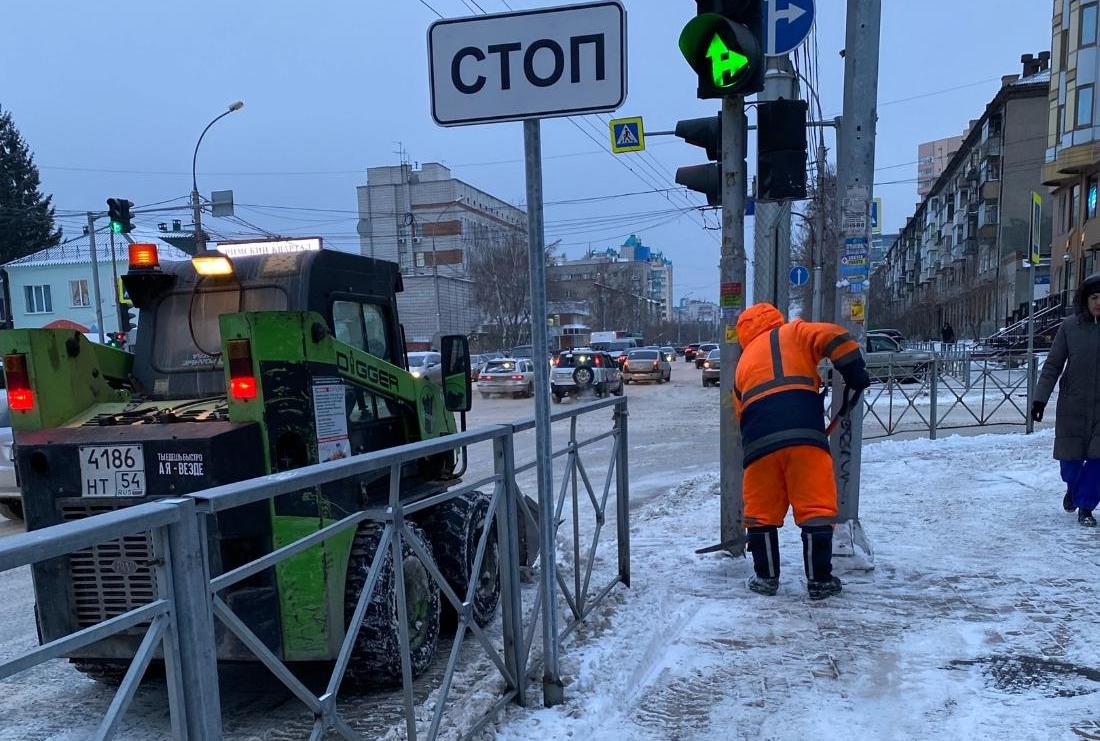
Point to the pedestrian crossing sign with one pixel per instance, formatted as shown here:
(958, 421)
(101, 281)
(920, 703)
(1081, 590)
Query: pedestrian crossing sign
(627, 135)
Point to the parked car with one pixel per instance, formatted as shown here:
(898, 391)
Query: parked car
(583, 369)
(508, 376)
(669, 353)
(691, 351)
(704, 350)
(523, 351)
(426, 365)
(896, 334)
(886, 358)
(646, 365)
(712, 366)
(11, 501)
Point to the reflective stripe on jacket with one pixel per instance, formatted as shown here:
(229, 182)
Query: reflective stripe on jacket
(776, 386)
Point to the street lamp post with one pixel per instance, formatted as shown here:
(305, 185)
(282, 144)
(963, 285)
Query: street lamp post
(435, 265)
(196, 204)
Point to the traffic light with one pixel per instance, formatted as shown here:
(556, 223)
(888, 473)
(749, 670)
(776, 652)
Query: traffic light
(118, 210)
(127, 318)
(705, 179)
(724, 44)
(781, 150)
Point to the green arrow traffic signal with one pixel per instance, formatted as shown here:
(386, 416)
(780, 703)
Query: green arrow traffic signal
(725, 55)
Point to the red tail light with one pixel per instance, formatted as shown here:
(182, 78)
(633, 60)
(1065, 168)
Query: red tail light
(20, 395)
(242, 381)
(656, 365)
(484, 378)
(597, 362)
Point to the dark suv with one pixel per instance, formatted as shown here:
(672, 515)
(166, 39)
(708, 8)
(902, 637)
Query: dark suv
(580, 370)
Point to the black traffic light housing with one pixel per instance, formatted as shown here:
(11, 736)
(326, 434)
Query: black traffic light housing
(127, 318)
(724, 43)
(118, 211)
(781, 150)
(705, 179)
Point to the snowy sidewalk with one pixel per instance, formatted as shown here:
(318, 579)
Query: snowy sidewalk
(980, 621)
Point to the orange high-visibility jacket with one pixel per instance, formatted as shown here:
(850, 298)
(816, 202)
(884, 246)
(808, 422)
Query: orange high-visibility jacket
(776, 387)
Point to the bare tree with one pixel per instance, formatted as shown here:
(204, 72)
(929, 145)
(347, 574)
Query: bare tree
(500, 272)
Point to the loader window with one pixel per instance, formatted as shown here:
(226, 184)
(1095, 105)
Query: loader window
(362, 326)
(181, 345)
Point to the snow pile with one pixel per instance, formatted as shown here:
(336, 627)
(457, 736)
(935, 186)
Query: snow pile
(977, 621)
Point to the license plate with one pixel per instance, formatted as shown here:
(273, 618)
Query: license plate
(112, 471)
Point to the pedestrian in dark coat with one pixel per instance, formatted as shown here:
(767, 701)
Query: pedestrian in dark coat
(1075, 357)
(947, 333)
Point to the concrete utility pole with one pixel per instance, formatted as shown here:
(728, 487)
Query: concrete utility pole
(732, 299)
(95, 275)
(772, 224)
(855, 176)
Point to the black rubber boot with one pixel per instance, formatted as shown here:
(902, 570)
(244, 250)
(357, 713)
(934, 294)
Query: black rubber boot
(764, 546)
(1067, 502)
(817, 554)
(1085, 518)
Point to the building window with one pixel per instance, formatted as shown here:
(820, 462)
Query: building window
(38, 299)
(1074, 206)
(1087, 35)
(1084, 106)
(78, 293)
(1090, 204)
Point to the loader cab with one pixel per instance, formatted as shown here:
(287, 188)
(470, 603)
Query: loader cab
(178, 351)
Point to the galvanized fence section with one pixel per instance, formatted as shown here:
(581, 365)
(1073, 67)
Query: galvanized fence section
(956, 389)
(181, 617)
(584, 505)
(178, 620)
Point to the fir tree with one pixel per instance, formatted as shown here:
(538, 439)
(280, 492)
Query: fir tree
(26, 216)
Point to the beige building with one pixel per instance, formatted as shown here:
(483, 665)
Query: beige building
(1072, 162)
(958, 258)
(932, 159)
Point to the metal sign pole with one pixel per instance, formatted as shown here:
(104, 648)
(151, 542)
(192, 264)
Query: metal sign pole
(552, 688)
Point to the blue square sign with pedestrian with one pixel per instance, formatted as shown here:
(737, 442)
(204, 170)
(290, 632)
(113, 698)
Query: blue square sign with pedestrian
(627, 135)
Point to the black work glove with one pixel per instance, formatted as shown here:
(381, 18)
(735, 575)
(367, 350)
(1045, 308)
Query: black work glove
(1037, 408)
(856, 378)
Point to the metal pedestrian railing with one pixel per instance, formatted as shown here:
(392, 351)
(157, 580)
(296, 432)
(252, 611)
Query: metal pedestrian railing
(177, 618)
(189, 600)
(955, 389)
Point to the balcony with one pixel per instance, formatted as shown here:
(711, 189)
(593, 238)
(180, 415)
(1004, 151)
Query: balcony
(988, 219)
(991, 147)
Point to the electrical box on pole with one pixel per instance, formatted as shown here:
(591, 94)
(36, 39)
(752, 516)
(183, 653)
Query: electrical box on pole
(724, 44)
(705, 179)
(782, 152)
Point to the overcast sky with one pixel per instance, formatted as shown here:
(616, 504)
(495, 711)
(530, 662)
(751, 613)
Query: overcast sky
(111, 99)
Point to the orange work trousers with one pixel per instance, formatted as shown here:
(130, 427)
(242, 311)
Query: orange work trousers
(801, 477)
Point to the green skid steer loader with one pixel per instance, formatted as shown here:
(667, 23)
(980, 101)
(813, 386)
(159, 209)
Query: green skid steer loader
(243, 368)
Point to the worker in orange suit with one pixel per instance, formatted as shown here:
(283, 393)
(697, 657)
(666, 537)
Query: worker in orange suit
(787, 461)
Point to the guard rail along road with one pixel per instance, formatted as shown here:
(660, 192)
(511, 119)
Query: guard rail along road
(180, 621)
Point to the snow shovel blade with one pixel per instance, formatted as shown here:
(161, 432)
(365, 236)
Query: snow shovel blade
(723, 546)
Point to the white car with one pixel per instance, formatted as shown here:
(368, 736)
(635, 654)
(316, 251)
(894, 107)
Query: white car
(508, 377)
(426, 364)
